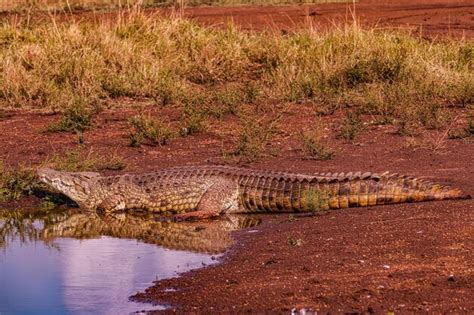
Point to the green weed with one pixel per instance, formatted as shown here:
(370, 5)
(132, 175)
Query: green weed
(152, 129)
(74, 119)
(255, 135)
(313, 198)
(193, 117)
(15, 183)
(352, 125)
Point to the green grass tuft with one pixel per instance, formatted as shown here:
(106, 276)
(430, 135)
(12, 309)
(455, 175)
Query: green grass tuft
(16, 183)
(152, 129)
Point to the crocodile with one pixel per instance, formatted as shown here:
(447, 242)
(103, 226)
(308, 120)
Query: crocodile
(207, 191)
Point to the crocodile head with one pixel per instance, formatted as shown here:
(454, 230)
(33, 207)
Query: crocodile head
(75, 185)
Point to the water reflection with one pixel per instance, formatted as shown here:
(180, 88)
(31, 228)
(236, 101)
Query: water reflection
(202, 236)
(70, 262)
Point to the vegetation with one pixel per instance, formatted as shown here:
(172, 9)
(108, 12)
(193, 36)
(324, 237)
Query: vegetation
(76, 68)
(293, 241)
(84, 64)
(352, 125)
(466, 132)
(74, 119)
(16, 183)
(152, 129)
(314, 145)
(255, 135)
(314, 199)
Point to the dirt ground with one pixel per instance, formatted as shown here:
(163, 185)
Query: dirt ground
(423, 17)
(407, 258)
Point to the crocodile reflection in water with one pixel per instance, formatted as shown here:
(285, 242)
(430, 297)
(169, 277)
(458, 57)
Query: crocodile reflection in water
(205, 236)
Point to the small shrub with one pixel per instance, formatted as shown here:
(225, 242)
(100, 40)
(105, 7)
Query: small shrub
(351, 126)
(407, 121)
(466, 132)
(251, 92)
(74, 119)
(255, 135)
(17, 183)
(313, 144)
(407, 127)
(193, 118)
(469, 129)
(434, 116)
(147, 128)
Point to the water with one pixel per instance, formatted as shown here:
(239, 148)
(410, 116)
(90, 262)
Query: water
(73, 263)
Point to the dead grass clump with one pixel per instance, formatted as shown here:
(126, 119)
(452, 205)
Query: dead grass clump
(81, 5)
(466, 132)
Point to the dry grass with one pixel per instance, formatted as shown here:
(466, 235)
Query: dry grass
(84, 65)
(256, 135)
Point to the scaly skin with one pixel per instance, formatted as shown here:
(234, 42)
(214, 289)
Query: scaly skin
(203, 191)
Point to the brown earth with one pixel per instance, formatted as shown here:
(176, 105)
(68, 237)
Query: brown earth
(424, 17)
(407, 258)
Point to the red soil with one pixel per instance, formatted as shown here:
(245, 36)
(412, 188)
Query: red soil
(425, 17)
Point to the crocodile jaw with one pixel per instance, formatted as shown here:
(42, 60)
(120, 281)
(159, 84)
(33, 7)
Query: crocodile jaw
(77, 186)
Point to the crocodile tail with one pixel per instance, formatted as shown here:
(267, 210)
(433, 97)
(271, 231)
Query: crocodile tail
(368, 189)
